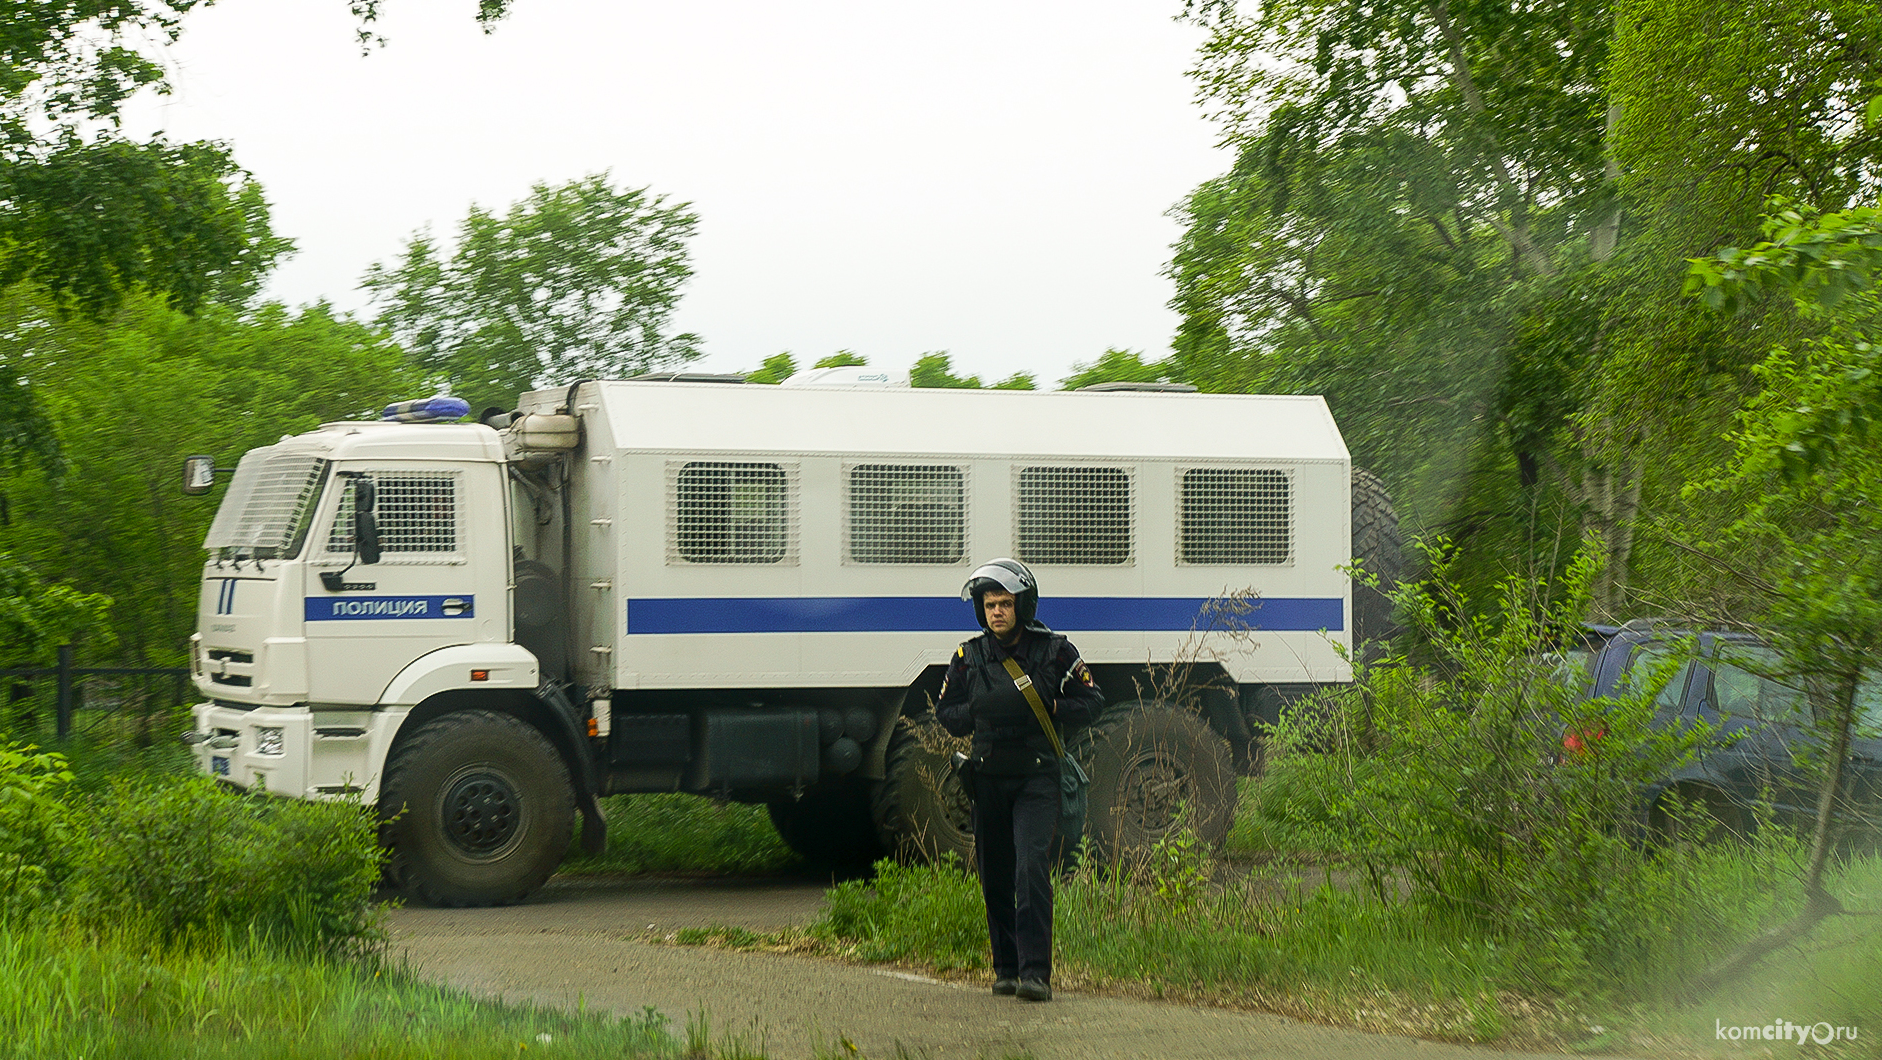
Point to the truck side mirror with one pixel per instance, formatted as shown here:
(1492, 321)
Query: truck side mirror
(199, 473)
(365, 525)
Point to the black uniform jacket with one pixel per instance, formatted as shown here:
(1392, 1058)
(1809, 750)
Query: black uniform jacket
(979, 696)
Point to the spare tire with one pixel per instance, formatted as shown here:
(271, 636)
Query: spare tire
(1376, 550)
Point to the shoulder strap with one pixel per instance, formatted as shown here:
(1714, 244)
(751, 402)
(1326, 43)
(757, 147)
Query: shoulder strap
(1024, 684)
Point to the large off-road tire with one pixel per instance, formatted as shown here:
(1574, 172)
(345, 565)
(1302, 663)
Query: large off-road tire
(1154, 768)
(830, 827)
(1377, 548)
(476, 809)
(921, 810)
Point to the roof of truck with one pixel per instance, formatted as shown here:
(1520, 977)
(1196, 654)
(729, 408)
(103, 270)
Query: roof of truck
(717, 417)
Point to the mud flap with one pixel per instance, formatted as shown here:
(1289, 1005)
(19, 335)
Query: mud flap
(582, 771)
(594, 826)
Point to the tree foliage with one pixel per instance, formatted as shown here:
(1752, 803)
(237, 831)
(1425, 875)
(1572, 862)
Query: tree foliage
(37, 616)
(776, 369)
(936, 370)
(130, 397)
(1805, 478)
(88, 215)
(1122, 366)
(578, 280)
(1465, 224)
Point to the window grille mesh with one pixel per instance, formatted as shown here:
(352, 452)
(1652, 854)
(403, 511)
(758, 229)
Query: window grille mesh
(1235, 515)
(266, 511)
(732, 513)
(1078, 515)
(416, 512)
(911, 513)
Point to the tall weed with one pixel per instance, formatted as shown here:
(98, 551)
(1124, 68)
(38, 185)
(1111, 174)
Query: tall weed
(930, 913)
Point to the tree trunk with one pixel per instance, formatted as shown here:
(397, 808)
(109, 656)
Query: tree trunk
(1607, 232)
(1611, 497)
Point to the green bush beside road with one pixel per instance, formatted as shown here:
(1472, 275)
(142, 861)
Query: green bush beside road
(155, 915)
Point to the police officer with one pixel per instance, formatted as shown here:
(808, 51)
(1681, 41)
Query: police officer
(1014, 772)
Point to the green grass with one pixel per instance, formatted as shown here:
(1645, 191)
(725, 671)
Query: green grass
(69, 995)
(1346, 956)
(684, 833)
(1833, 977)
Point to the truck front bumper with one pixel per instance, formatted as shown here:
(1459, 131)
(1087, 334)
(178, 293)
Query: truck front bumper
(295, 752)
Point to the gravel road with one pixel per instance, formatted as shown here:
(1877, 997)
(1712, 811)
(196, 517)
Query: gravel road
(579, 942)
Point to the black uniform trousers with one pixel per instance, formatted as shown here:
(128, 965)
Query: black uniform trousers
(1015, 820)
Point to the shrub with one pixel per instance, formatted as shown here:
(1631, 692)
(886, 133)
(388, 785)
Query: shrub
(1445, 784)
(182, 858)
(33, 826)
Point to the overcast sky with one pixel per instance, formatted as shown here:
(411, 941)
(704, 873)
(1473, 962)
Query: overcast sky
(989, 179)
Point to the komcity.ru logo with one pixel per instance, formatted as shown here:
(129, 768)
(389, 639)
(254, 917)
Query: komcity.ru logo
(1785, 1031)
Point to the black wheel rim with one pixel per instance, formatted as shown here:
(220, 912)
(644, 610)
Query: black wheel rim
(482, 814)
(1156, 790)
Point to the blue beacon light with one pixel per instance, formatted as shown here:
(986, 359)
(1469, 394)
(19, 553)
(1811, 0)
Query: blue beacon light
(440, 409)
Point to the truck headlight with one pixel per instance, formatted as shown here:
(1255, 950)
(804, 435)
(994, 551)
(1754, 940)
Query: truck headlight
(269, 741)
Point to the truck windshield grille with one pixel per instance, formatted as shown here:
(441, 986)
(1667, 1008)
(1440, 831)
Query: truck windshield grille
(269, 505)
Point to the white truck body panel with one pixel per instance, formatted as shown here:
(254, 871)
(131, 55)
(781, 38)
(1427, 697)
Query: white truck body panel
(652, 619)
(338, 672)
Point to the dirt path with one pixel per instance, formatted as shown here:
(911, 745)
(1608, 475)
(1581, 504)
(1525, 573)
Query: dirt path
(576, 943)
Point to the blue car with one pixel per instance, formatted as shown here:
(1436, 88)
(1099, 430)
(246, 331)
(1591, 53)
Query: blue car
(1762, 724)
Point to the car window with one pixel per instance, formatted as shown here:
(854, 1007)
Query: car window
(1869, 706)
(1745, 684)
(1651, 659)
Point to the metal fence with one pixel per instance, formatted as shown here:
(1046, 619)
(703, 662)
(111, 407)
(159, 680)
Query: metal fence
(144, 692)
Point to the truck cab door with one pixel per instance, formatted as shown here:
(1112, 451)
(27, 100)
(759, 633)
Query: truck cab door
(432, 586)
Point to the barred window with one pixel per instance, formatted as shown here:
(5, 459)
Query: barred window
(416, 512)
(912, 513)
(731, 513)
(1079, 515)
(1235, 515)
(269, 505)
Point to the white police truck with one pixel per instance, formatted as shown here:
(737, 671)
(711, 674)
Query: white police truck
(673, 584)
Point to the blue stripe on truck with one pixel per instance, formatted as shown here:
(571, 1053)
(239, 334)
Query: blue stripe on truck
(947, 614)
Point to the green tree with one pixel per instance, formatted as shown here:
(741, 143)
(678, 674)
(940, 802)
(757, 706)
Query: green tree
(134, 394)
(1805, 475)
(1464, 222)
(936, 370)
(1416, 184)
(578, 280)
(842, 359)
(37, 616)
(88, 216)
(776, 369)
(1121, 366)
